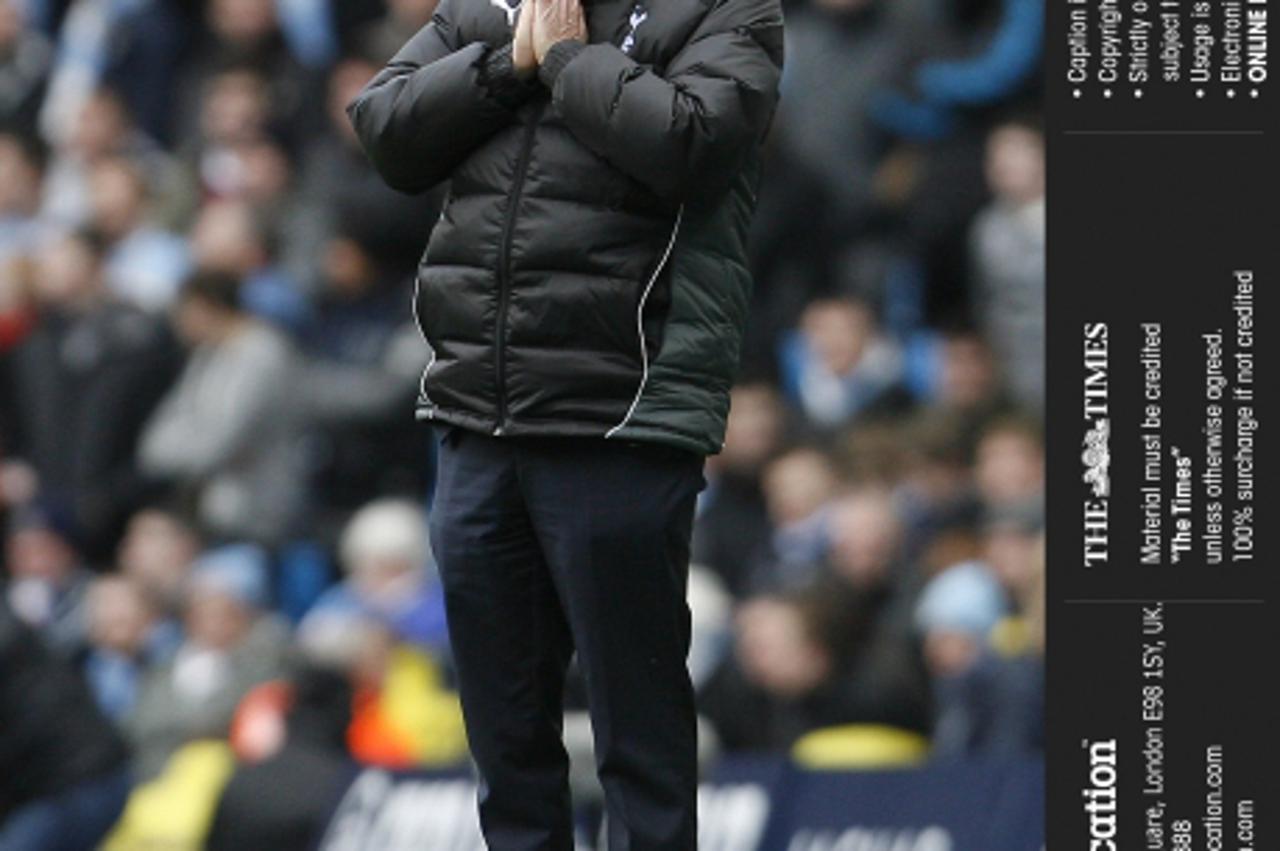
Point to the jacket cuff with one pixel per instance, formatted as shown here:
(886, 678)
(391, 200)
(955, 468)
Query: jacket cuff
(560, 55)
(498, 75)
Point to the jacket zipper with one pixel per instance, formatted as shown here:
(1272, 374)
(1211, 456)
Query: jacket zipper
(504, 267)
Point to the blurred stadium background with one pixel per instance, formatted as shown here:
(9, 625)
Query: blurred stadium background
(220, 623)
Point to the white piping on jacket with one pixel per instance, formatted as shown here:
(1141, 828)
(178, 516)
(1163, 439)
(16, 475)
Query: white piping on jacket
(644, 347)
(413, 307)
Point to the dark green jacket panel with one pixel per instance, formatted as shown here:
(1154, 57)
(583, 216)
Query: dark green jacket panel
(685, 399)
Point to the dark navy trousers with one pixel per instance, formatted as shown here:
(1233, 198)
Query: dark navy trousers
(548, 546)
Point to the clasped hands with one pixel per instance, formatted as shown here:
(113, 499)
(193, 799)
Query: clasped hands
(540, 25)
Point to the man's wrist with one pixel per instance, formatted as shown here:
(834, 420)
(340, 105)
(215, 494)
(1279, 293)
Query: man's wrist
(506, 85)
(556, 58)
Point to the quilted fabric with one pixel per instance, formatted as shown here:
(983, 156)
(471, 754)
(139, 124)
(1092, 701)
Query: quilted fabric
(588, 273)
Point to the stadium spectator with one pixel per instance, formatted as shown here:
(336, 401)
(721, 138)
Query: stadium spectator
(227, 431)
(935, 494)
(126, 636)
(233, 108)
(17, 316)
(805, 660)
(968, 381)
(234, 238)
(22, 170)
(63, 768)
(799, 486)
(47, 579)
(365, 361)
(1010, 545)
(733, 524)
(404, 715)
(81, 61)
(1009, 35)
(25, 59)
(232, 643)
(156, 552)
(284, 801)
(81, 384)
(838, 365)
(827, 128)
(1009, 463)
(340, 192)
(956, 614)
(380, 39)
(103, 129)
(144, 264)
(387, 561)
(1008, 256)
(246, 35)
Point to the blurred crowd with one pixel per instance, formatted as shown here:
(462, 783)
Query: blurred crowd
(213, 493)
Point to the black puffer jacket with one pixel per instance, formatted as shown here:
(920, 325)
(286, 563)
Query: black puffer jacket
(588, 273)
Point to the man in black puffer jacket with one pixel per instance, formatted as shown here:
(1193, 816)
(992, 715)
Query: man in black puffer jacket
(584, 294)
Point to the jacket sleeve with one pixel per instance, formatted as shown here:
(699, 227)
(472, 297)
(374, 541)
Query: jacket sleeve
(685, 131)
(434, 103)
